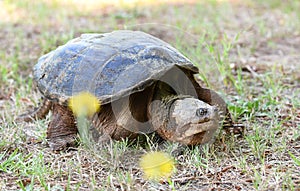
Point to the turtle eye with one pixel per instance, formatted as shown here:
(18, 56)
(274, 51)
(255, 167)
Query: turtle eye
(201, 112)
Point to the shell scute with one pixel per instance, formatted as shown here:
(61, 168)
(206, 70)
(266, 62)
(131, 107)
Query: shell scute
(108, 65)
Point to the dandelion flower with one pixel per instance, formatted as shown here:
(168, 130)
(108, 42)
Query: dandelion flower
(157, 165)
(84, 104)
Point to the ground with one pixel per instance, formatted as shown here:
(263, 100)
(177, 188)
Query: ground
(248, 51)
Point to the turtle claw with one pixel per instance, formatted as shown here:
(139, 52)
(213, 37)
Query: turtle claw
(63, 142)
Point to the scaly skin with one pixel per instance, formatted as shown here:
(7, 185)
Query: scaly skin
(62, 130)
(126, 121)
(176, 118)
(184, 119)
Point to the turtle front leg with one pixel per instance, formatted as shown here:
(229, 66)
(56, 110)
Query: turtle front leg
(62, 130)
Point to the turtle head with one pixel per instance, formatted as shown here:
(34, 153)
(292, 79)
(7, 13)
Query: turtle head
(190, 121)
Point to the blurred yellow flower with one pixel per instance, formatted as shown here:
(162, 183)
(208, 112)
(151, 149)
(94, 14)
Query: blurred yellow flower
(84, 104)
(157, 165)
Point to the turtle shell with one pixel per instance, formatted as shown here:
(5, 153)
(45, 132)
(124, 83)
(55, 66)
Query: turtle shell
(109, 65)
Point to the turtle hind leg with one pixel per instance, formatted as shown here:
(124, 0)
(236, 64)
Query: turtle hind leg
(62, 130)
(39, 112)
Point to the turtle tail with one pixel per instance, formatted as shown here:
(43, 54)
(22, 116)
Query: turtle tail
(39, 112)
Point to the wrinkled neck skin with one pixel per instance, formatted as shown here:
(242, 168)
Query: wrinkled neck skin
(180, 118)
(161, 111)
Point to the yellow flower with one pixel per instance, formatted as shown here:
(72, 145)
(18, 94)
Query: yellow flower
(157, 165)
(84, 104)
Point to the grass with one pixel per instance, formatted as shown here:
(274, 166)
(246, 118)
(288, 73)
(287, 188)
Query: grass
(252, 46)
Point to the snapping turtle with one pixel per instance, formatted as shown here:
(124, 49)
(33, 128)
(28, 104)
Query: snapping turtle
(143, 83)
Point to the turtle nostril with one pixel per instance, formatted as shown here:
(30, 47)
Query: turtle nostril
(216, 109)
(206, 119)
(201, 112)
